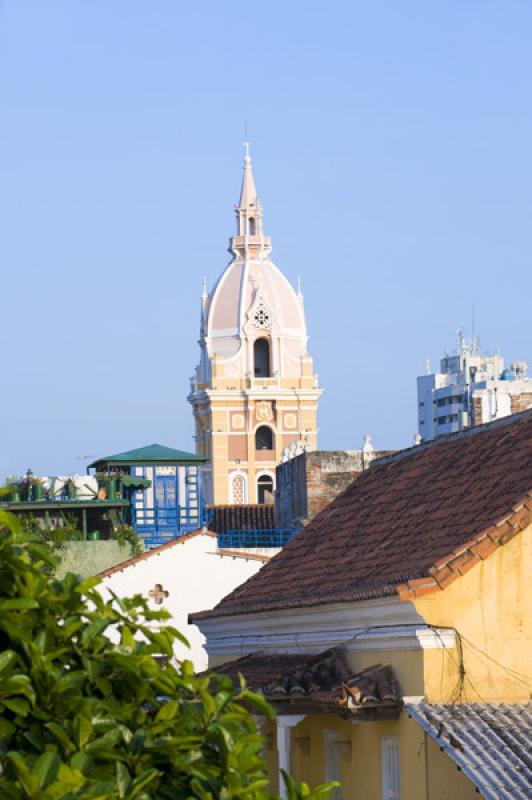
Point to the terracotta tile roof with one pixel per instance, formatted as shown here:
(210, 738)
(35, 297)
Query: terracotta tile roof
(411, 524)
(322, 679)
(242, 517)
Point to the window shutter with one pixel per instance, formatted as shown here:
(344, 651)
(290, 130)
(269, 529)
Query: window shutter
(390, 775)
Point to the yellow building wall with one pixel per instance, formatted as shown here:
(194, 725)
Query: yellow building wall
(490, 607)
(426, 772)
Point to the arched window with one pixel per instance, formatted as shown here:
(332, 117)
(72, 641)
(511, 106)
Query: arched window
(261, 358)
(265, 489)
(264, 438)
(251, 226)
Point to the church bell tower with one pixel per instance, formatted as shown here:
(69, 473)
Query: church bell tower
(254, 391)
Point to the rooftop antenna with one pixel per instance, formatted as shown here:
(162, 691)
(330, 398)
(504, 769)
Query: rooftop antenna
(247, 144)
(461, 339)
(428, 368)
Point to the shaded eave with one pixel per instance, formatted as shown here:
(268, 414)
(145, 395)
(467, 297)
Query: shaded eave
(23, 506)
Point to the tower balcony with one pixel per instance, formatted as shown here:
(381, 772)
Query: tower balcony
(251, 243)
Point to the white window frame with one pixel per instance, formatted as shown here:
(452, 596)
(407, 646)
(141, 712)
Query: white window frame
(390, 768)
(331, 759)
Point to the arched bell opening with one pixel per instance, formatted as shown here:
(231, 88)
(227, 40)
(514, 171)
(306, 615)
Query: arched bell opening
(264, 438)
(261, 358)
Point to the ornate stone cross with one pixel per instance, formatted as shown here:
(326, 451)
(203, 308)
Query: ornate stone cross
(158, 594)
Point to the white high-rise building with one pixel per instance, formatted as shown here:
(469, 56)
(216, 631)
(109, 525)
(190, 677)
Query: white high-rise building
(470, 388)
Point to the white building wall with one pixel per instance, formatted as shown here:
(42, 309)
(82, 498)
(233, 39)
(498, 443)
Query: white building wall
(196, 575)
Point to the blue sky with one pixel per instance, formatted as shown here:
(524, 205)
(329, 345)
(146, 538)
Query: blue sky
(392, 151)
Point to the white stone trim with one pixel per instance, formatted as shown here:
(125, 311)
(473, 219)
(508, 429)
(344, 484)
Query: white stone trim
(370, 625)
(268, 473)
(222, 333)
(285, 723)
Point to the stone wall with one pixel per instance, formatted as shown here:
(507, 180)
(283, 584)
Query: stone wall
(520, 402)
(309, 482)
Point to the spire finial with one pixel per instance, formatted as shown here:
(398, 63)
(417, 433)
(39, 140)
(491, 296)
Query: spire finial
(247, 157)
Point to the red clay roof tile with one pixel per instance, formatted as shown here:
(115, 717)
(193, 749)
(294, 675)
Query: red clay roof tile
(322, 679)
(242, 517)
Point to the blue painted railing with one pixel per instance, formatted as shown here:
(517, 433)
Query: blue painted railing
(169, 519)
(241, 539)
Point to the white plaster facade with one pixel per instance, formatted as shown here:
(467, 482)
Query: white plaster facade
(195, 573)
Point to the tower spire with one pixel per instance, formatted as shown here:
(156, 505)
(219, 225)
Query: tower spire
(250, 238)
(248, 195)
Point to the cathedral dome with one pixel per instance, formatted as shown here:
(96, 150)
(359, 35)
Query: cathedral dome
(252, 298)
(254, 291)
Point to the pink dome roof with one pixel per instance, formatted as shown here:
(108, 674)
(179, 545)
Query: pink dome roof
(236, 293)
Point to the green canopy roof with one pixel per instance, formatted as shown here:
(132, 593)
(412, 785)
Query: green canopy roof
(151, 454)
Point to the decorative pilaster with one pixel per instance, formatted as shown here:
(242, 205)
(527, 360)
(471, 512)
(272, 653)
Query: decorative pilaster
(284, 744)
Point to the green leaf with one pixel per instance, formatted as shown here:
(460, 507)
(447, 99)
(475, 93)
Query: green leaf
(17, 705)
(27, 780)
(258, 702)
(80, 762)
(141, 782)
(82, 729)
(6, 728)
(87, 585)
(46, 768)
(18, 604)
(9, 522)
(123, 779)
(61, 736)
(167, 711)
(93, 630)
(7, 658)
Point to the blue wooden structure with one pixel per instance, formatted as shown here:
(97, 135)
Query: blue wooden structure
(172, 504)
(236, 538)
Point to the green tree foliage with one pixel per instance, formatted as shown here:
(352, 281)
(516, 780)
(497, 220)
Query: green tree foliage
(84, 718)
(57, 536)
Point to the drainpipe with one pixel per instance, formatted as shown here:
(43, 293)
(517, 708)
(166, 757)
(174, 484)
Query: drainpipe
(284, 740)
